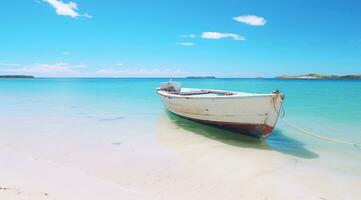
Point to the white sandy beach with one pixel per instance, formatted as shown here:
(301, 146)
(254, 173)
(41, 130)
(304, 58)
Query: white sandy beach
(96, 161)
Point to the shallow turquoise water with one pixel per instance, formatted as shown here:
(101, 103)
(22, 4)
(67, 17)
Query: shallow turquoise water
(330, 108)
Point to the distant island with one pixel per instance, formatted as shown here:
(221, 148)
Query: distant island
(313, 76)
(200, 77)
(16, 76)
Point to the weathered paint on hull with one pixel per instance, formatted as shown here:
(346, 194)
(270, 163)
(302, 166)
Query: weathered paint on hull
(254, 130)
(251, 114)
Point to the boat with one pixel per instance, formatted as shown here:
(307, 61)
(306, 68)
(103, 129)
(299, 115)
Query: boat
(247, 113)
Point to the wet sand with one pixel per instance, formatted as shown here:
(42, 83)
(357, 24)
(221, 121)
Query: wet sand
(88, 158)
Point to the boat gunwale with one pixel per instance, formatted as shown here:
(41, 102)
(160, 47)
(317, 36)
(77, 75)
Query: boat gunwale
(234, 96)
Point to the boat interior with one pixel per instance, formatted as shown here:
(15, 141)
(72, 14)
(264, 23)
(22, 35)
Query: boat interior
(175, 88)
(205, 93)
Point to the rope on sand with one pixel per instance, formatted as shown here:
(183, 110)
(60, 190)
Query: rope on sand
(315, 135)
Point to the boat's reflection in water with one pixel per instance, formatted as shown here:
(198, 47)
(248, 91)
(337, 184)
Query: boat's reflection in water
(277, 141)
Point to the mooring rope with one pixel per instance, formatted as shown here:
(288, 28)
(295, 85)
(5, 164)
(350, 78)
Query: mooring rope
(312, 134)
(315, 135)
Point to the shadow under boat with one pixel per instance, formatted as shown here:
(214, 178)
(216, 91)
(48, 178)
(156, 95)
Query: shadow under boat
(277, 141)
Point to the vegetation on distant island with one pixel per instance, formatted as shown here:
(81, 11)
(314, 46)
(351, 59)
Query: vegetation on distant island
(310, 76)
(198, 77)
(16, 76)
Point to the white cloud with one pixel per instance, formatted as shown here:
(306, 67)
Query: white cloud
(62, 69)
(188, 36)
(87, 15)
(251, 20)
(218, 35)
(9, 64)
(119, 64)
(66, 53)
(46, 70)
(66, 9)
(186, 44)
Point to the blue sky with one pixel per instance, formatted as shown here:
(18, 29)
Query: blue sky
(225, 38)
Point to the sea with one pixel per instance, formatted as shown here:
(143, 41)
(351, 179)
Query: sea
(129, 108)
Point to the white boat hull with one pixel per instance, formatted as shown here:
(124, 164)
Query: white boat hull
(254, 114)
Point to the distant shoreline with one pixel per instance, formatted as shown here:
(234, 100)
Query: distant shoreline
(201, 77)
(16, 76)
(318, 76)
